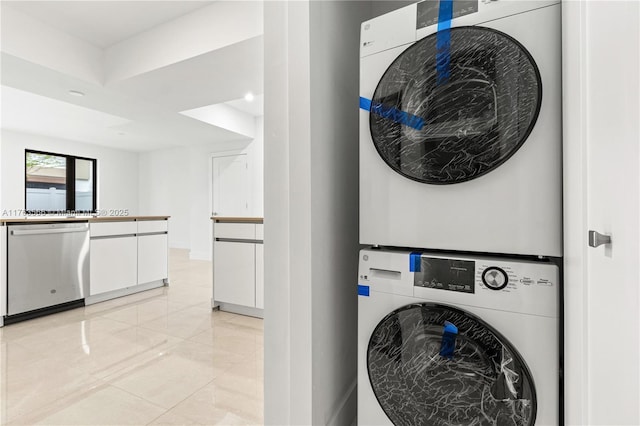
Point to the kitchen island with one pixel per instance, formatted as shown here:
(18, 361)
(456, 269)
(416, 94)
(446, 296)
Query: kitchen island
(238, 265)
(111, 256)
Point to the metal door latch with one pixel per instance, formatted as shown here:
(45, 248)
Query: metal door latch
(596, 239)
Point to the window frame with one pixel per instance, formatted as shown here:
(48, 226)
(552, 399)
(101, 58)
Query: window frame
(70, 177)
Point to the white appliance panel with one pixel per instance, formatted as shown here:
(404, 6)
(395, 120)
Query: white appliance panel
(515, 208)
(526, 315)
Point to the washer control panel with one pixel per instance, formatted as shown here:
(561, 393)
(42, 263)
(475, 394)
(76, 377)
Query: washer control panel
(527, 286)
(468, 275)
(512, 276)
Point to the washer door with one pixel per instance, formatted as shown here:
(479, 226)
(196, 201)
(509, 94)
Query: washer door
(424, 376)
(472, 121)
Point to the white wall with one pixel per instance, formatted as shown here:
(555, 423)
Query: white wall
(177, 182)
(335, 192)
(1, 202)
(117, 170)
(256, 155)
(277, 276)
(164, 178)
(311, 210)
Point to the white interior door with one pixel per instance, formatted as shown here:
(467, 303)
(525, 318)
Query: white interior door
(613, 190)
(602, 193)
(230, 186)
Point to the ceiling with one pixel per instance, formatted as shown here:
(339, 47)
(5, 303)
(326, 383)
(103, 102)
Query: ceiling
(176, 62)
(103, 23)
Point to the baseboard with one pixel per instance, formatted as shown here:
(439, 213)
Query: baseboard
(199, 255)
(238, 309)
(346, 411)
(179, 244)
(123, 292)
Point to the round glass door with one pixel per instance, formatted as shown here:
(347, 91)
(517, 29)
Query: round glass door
(471, 122)
(422, 373)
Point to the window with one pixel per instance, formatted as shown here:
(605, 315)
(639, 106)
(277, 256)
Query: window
(57, 183)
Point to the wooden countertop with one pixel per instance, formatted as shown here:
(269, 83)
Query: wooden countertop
(90, 219)
(126, 218)
(231, 219)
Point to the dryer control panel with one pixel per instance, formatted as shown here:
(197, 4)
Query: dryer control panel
(428, 11)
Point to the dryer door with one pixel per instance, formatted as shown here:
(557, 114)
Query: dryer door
(424, 373)
(471, 106)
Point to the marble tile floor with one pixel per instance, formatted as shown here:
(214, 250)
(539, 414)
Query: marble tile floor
(160, 357)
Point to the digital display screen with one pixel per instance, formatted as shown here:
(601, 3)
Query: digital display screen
(446, 274)
(428, 11)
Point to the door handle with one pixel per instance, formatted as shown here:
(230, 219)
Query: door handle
(596, 239)
(18, 232)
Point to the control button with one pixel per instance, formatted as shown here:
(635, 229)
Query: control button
(527, 281)
(495, 278)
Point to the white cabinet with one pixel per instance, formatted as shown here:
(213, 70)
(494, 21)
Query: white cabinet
(126, 257)
(113, 264)
(153, 262)
(244, 231)
(112, 229)
(234, 273)
(152, 258)
(152, 226)
(238, 267)
(3, 273)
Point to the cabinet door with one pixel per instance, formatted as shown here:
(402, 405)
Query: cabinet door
(148, 226)
(260, 276)
(100, 229)
(3, 271)
(113, 264)
(234, 273)
(152, 258)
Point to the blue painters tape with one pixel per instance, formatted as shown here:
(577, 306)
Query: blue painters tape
(363, 290)
(449, 327)
(443, 41)
(448, 345)
(415, 261)
(365, 104)
(391, 113)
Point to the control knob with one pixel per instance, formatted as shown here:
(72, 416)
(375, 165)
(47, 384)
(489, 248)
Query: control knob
(495, 278)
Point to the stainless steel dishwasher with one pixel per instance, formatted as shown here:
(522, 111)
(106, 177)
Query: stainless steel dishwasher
(48, 267)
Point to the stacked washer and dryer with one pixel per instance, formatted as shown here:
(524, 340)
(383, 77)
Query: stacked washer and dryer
(461, 203)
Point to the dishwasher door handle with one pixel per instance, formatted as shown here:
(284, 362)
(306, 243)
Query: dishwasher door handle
(18, 232)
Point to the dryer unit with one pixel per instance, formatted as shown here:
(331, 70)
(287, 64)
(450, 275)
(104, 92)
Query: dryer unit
(460, 129)
(446, 339)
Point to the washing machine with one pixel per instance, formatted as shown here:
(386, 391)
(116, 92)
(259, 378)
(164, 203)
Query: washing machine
(460, 127)
(447, 339)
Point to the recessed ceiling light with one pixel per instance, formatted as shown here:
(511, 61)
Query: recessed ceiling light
(75, 93)
(249, 97)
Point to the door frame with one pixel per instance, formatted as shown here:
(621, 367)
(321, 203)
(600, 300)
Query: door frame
(575, 313)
